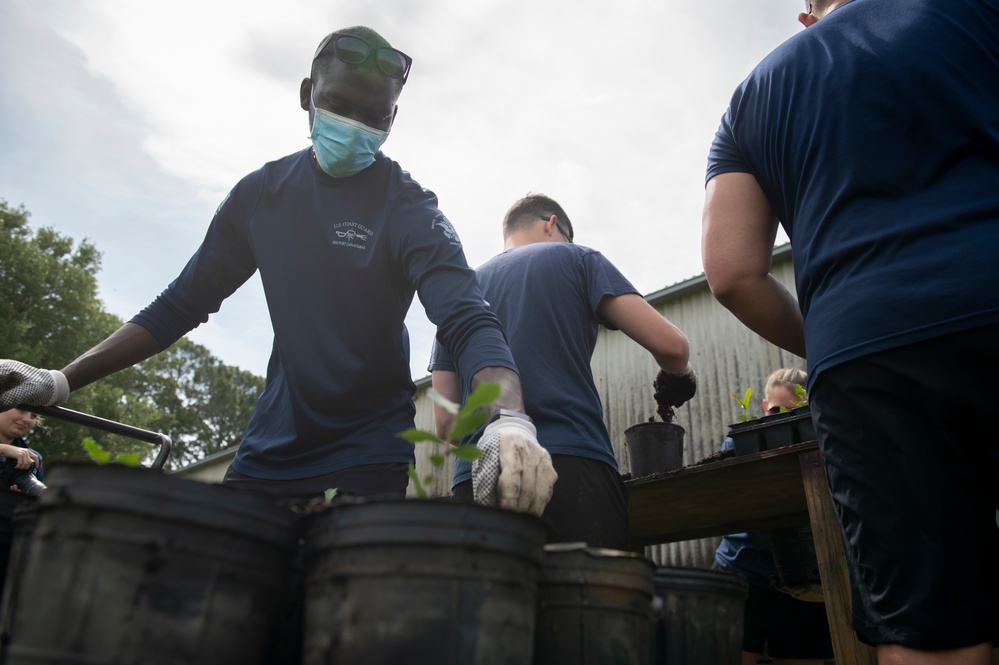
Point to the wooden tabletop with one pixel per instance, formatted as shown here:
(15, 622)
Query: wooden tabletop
(741, 493)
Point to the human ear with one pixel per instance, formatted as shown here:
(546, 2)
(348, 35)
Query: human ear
(305, 93)
(807, 20)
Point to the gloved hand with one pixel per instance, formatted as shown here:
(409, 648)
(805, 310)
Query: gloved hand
(675, 389)
(24, 384)
(513, 471)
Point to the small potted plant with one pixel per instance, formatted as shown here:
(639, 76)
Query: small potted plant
(785, 428)
(422, 580)
(656, 446)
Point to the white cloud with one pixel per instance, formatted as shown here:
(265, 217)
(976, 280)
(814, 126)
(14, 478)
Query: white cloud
(127, 122)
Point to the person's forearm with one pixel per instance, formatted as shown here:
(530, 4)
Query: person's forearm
(511, 395)
(127, 346)
(767, 308)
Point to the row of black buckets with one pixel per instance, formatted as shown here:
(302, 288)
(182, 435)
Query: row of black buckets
(115, 565)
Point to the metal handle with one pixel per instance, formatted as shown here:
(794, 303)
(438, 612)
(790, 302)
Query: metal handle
(111, 426)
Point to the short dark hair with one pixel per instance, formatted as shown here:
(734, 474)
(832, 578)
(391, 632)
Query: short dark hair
(323, 60)
(530, 209)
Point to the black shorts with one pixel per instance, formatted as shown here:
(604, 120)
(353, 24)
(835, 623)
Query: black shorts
(790, 628)
(589, 504)
(910, 445)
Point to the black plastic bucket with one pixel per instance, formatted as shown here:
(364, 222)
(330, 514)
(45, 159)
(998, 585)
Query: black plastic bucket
(421, 581)
(595, 607)
(23, 524)
(793, 549)
(654, 447)
(9, 502)
(700, 620)
(129, 565)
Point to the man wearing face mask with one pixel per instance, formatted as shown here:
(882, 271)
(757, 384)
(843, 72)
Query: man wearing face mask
(343, 238)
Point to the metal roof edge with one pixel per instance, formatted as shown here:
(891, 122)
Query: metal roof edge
(699, 282)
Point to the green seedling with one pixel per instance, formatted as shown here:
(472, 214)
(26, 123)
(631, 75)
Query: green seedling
(101, 456)
(468, 419)
(329, 494)
(802, 400)
(744, 403)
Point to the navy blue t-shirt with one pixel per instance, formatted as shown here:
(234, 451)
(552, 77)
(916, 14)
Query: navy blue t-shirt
(340, 260)
(874, 135)
(546, 295)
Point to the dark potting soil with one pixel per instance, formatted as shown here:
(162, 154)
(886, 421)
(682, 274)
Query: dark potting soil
(665, 398)
(716, 457)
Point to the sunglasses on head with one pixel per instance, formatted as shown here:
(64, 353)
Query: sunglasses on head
(355, 51)
(561, 228)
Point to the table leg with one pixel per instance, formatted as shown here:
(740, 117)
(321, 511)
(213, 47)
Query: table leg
(832, 564)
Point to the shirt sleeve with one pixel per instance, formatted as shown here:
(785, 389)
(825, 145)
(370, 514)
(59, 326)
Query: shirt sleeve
(222, 263)
(440, 359)
(434, 262)
(603, 279)
(725, 155)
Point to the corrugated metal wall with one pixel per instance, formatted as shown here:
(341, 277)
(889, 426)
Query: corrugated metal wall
(727, 357)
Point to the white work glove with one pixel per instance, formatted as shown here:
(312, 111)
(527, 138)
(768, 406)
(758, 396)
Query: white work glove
(513, 471)
(24, 384)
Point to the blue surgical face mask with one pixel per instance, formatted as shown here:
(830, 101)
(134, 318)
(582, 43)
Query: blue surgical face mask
(344, 146)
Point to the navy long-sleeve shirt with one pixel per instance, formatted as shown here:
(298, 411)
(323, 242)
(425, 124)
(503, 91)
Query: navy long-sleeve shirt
(340, 260)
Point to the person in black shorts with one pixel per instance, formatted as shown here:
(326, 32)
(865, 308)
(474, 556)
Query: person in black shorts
(551, 296)
(872, 138)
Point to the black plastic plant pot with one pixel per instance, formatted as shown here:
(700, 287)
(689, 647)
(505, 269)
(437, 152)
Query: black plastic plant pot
(654, 447)
(770, 432)
(129, 565)
(420, 581)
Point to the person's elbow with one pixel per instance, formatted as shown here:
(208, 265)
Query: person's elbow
(729, 282)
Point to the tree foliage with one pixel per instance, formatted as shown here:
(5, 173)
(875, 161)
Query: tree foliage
(50, 313)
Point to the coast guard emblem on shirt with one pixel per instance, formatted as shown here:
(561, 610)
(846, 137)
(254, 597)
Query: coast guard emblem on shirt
(441, 222)
(351, 234)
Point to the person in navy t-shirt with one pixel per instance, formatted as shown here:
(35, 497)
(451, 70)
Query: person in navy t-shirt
(343, 238)
(551, 296)
(872, 137)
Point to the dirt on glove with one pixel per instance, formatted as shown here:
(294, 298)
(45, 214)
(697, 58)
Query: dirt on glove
(664, 399)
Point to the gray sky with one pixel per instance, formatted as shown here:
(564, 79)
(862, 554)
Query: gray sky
(126, 123)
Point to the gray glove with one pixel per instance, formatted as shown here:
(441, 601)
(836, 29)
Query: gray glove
(513, 470)
(24, 384)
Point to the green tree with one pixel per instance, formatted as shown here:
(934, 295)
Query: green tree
(50, 313)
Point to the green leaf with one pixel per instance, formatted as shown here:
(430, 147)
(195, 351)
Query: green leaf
(418, 435)
(95, 452)
(428, 479)
(127, 459)
(467, 452)
(442, 401)
(329, 494)
(744, 402)
(417, 485)
(437, 459)
(466, 425)
(484, 395)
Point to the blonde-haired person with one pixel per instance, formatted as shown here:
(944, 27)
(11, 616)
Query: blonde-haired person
(15, 424)
(793, 632)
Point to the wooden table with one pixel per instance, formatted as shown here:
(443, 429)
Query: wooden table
(773, 488)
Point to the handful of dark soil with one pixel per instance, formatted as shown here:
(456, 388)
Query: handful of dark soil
(672, 390)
